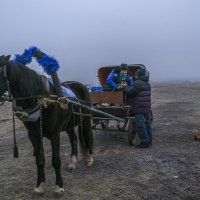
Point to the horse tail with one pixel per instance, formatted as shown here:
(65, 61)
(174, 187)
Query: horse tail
(85, 134)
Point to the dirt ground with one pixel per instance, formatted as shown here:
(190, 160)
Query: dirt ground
(170, 169)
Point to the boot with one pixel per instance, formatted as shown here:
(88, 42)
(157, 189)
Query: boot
(142, 145)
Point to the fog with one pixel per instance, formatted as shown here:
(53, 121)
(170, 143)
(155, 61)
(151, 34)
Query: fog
(84, 35)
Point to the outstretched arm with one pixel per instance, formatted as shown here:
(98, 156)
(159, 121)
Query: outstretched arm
(110, 79)
(130, 81)
(134, 90)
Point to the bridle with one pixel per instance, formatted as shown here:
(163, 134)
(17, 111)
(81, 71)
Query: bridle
(10, 98)
(4, 70)
(18, 110)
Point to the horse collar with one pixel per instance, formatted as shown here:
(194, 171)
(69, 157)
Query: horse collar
(4, 69)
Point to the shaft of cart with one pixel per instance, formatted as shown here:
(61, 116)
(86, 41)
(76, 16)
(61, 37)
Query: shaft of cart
(96, 111)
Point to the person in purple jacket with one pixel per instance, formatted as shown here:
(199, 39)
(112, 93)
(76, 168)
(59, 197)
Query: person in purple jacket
(119, 78)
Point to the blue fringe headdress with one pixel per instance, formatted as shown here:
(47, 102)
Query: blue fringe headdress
(48, 63)
(26, 57)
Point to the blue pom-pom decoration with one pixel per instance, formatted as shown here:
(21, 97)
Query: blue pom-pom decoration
(20, 59)
(49, 64)
(26, 57)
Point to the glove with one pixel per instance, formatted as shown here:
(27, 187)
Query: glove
(119, 87)
(124, 84)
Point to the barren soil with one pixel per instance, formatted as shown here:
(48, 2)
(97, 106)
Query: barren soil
(170, 169)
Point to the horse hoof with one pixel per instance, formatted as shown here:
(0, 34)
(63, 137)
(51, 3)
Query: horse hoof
(71, 167)
(40, 188)
(72, 163)
(59, 190)
(90, 163)
(89, 160)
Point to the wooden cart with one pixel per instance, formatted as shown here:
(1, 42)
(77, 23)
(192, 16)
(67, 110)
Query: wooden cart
(115, 103)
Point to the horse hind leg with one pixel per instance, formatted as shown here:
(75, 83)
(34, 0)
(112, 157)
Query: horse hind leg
(81, 139)
(89, 159)
(86, 140)
(74, 151)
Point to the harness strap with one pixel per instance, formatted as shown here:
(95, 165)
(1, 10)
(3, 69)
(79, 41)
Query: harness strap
(46, 83)
(28, 111)
(21, 114)
(82, 114)
(15, 149)
(7, 82)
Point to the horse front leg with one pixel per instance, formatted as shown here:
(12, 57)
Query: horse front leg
(56, 162)
(73, 158)
(40, 161)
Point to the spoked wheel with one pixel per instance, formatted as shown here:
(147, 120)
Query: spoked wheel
(104, 124)
(132, 135)
(122, 125)
(95, 122)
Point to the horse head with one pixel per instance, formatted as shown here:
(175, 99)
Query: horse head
(3, 61)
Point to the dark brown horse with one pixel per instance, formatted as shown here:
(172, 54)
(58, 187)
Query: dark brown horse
(23, 83)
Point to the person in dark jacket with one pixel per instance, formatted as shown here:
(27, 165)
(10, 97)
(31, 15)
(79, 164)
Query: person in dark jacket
(119, 78)
(140, 96)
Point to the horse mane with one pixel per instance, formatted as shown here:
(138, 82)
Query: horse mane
(79, 90)
(25, 80)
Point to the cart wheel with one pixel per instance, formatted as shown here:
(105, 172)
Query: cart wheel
(122, 125)
(131, 133)
(104, 124)
(95, 122)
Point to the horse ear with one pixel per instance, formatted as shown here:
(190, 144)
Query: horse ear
(1, 60)
(4, 59)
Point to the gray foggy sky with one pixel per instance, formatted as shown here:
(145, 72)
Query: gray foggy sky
(86, 34)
